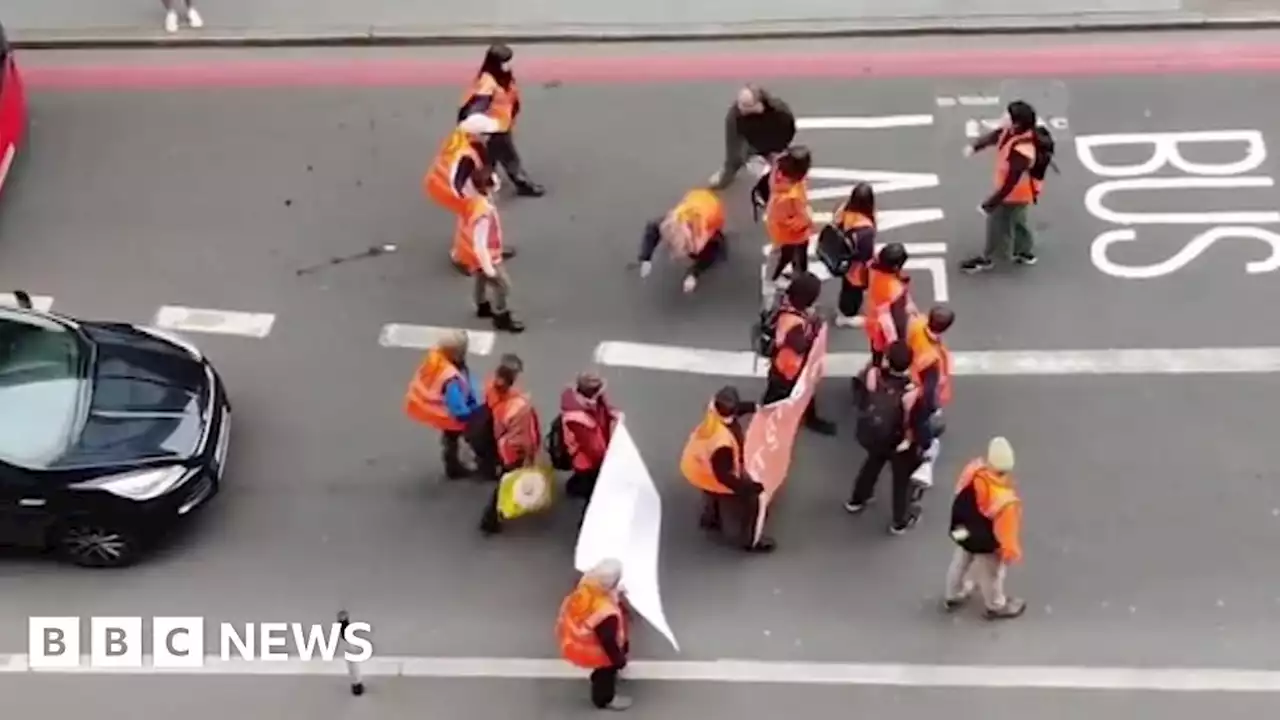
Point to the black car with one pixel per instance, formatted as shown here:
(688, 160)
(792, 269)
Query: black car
(109, 434)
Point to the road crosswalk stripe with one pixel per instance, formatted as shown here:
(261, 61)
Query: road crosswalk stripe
(215, 322)
(43, 303)
(422, 337)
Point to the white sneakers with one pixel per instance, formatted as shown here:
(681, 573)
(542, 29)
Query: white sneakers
(193, 19)
(846, 321)
(690, 283)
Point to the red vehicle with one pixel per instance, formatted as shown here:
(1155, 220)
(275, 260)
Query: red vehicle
(13, 108)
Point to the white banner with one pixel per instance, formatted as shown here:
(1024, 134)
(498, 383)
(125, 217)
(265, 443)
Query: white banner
(624, 522)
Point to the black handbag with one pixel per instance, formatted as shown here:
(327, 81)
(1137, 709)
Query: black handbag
(835, 251)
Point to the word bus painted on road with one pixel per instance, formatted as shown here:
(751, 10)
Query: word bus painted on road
(1141, 177)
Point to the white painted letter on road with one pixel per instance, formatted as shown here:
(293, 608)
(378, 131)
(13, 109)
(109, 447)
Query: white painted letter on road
(1165, 152)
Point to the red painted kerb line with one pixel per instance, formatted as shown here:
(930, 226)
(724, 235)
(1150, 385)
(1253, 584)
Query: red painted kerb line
(1060, 61)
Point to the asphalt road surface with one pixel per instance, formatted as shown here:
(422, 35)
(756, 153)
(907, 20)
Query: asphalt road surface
(1152, 506)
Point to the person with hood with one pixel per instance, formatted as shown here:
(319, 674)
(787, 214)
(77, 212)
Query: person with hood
(494, 94)
(693, 230)
(593, 633)
(513, 437)
(855, 218)
(797, 329)
(589, 420)
(758, 123)
(713, 463)
(478, 244)
(889, 305)
(442, 395)
(1016, 190)
(788, 219)
(986, 525)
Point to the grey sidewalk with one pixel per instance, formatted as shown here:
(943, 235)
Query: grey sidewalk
(93, 22)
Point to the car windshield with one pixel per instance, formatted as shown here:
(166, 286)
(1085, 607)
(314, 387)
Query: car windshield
(43, 384)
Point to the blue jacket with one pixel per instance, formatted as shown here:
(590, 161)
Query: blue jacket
(460, 396)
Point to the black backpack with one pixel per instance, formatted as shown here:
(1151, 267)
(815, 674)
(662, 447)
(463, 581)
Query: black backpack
(882, 423)
(765, 330)
(835, 250)
(557, 450)
(1045, 148)
(970, 529)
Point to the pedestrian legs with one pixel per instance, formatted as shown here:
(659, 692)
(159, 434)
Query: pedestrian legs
(604, 690)
(850, 304)
(490, 520)
(491, 295)
(986, 572)
(710, 519)
(905, 513)
(502, 150)
(173, 7)
(795, 257)
(749, 507)
(999, 245)
(1023, 240)
(581, 485)
(864, 485)
(450, 455)
(735, 156)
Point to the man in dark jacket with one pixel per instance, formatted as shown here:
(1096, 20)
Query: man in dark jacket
(757, 124)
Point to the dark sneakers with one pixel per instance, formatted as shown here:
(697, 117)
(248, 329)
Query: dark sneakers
(1025, 258)
(1013, 608)
(977, 264)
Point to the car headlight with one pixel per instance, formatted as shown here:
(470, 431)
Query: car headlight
(172, 339)
(141, 485)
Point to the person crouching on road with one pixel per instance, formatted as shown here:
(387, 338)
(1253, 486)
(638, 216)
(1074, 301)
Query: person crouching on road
(758, 123)
(856, 219)
(889, 303)
(693, 230)
(442, 395)
(593, 632)
(478, 245)
(788, 219)
(589, 421)
(494, 94)
(1008, 230)
(798, 327)
(516, 434)
(713, 463)
(895, 428)
(986, 524)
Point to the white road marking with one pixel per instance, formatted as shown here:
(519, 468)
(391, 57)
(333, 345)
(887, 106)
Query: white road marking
(43, 303)
(744, 363)
(913, 249)
(1008, 677)
(422, 337)
(214, 322)
(887, 220)
(879, 122)
(883, 181)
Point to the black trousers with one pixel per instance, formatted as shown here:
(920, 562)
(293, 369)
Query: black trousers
(901, 465)
(502, 151)
(745, 507)
(776, 389)
(850, 302)
(581, 485)
(490, 519)
(794, 256)
(604, 686)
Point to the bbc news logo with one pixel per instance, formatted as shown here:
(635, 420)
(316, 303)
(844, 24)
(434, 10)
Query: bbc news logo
(178, 642)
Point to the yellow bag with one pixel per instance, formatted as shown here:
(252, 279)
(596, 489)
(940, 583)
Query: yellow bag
(525, 491)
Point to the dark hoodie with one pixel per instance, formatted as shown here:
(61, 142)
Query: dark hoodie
(492, 66)
(768, 132)
(723, 462)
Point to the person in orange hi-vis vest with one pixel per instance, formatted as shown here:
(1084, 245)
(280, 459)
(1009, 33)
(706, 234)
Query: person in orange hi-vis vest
(986, 526)
(856, 219)
(494, 94)
(1015, 190)
(797, 329)
(478, 244)
(693, 230)
(888, 303)
(593, 634)
(788, 219)
(930, 358)
(442, 395)
(516, 432)
(713, 463)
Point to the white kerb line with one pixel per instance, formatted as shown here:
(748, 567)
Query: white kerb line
(1008, 677)
(423, 337)
(878, 122)
(214, 322)
(43, 303)
(994, 363)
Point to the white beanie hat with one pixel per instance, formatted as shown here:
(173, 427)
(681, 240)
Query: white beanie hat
(478, 124)
(1000, 455)
(607, 572)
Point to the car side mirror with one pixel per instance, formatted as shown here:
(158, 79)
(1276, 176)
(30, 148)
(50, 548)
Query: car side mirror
(23, 299)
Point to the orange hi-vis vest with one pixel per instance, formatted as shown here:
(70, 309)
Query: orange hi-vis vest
(1024, 192)
(992, 495)
(928, 350)
(580, 614)
(709, 436)
(787, 218)
(515, 424)
(787, 362)
(883, 290)
(438, 182)
(702, 213)
(503, 106)
(424, 400)
(464, 252)
(849, 222)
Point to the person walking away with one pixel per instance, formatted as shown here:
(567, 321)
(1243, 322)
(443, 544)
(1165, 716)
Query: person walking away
(478, 245)
(856, 219)
(448, 179)
(1008, 228)
(931, 373)
(713, 463)
(441, 395)
(589, 421)
(171, 15)
(593, 632)
(515, 435)
(889, 303)
(694, 230)
(758, 123)
(797, 328)
(788, 220)
(894, 428)
(986, 524)
(494, 93)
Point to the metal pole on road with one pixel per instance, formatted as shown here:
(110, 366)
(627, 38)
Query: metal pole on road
(353, 668)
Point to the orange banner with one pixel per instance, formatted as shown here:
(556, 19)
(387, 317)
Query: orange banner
(772, 432)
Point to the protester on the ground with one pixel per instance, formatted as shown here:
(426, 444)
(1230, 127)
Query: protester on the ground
(758, 123)
(592, 629)
(986, 525)
(693, 231)
(1016, 190)
(494, 93)
(478, 246)
(442, 395)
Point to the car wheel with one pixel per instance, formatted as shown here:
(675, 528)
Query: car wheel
(90, 542)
